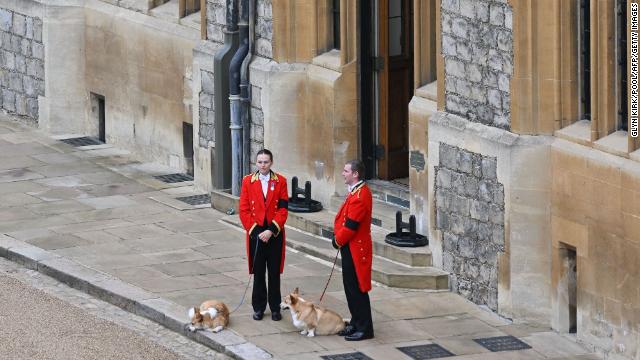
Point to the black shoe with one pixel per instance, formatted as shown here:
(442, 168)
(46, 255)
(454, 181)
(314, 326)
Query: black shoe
(358, 335)
(348, 330)
(258, 315)
(276, 316)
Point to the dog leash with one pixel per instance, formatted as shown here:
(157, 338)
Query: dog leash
(335, 259)
(255, 254)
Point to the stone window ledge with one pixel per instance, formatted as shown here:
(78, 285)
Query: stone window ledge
(635, 155)
(329, 60)
(429, 91)
(579, 132)
(615, 143)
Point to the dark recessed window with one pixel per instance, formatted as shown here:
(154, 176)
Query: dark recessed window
(336, 23)
(585, 59)
(623, 111)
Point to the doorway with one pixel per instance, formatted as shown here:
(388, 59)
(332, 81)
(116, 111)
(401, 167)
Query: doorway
(386, 70)
(98, 110)
(568, 290)
(187, 146)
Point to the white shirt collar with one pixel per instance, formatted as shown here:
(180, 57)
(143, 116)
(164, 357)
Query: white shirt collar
(264, 177)
(351, 187)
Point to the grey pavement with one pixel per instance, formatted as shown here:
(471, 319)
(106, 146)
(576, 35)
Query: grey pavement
(102, 217)
(41, 318)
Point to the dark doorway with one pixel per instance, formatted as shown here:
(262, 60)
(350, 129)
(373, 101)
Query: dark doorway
(98, 111)
(568, 295)
(367, 93)
(187, 145)
(101, 120)
(386, 86)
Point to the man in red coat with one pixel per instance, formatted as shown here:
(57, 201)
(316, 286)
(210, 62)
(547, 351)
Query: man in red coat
(263, 211)
(352, 228)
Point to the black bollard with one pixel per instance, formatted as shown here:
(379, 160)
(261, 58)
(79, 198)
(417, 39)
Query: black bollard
(406, 239)
(304, 204)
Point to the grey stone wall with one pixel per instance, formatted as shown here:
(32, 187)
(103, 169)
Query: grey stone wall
(21, 63)
(216, 20)
(477, 45)
(470, 214)
(257, 123)
(263, 48)
(264, 29)
(206, 110)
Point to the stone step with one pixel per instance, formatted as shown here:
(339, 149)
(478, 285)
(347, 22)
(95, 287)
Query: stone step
(383, 270)
(321, 224)
(390, 192)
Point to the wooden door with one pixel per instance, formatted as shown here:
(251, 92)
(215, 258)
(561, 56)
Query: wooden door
(395, 49)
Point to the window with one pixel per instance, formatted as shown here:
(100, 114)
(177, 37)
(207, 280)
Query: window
(621, 34)
(585, 59)
(336, 24)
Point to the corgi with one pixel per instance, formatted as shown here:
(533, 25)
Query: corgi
(310, 318)
(212, 314)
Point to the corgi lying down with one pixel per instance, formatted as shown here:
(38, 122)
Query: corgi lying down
(310, 318)
(212, 314)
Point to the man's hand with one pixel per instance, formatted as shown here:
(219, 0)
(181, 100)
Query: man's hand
(265, 235)
(334, 243)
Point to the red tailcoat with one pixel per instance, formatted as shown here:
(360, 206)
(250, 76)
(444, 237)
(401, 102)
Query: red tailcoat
(254, 208)
(352, 227)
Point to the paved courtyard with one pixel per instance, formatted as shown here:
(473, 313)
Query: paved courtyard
(99, 207)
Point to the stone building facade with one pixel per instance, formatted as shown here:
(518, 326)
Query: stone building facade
(523, 177)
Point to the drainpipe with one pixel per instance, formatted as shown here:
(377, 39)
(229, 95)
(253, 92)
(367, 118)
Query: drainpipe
(245, 91)
(221, 158)
(235, 98)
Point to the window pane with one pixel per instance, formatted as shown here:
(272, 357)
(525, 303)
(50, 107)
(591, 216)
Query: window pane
(395, 8)
(395, 36)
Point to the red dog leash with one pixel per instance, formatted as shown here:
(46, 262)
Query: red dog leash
(331, 274)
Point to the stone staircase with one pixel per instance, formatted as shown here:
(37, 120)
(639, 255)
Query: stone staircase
(390, 192)
(393, 266)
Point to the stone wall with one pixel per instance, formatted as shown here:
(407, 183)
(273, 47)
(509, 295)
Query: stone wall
(206, 109)
(21, 63)
(595, 210)
(470, 213)
(264, 29)
(216, 20)
(263, 48)
(145, 80)
(477, 45)
(257, 122)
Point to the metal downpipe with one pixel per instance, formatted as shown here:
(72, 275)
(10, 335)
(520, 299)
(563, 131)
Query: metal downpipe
(245, 91)
(221, 157)
(235, 103)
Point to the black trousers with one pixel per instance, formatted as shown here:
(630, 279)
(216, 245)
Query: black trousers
(267, 259)
(358, 301)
